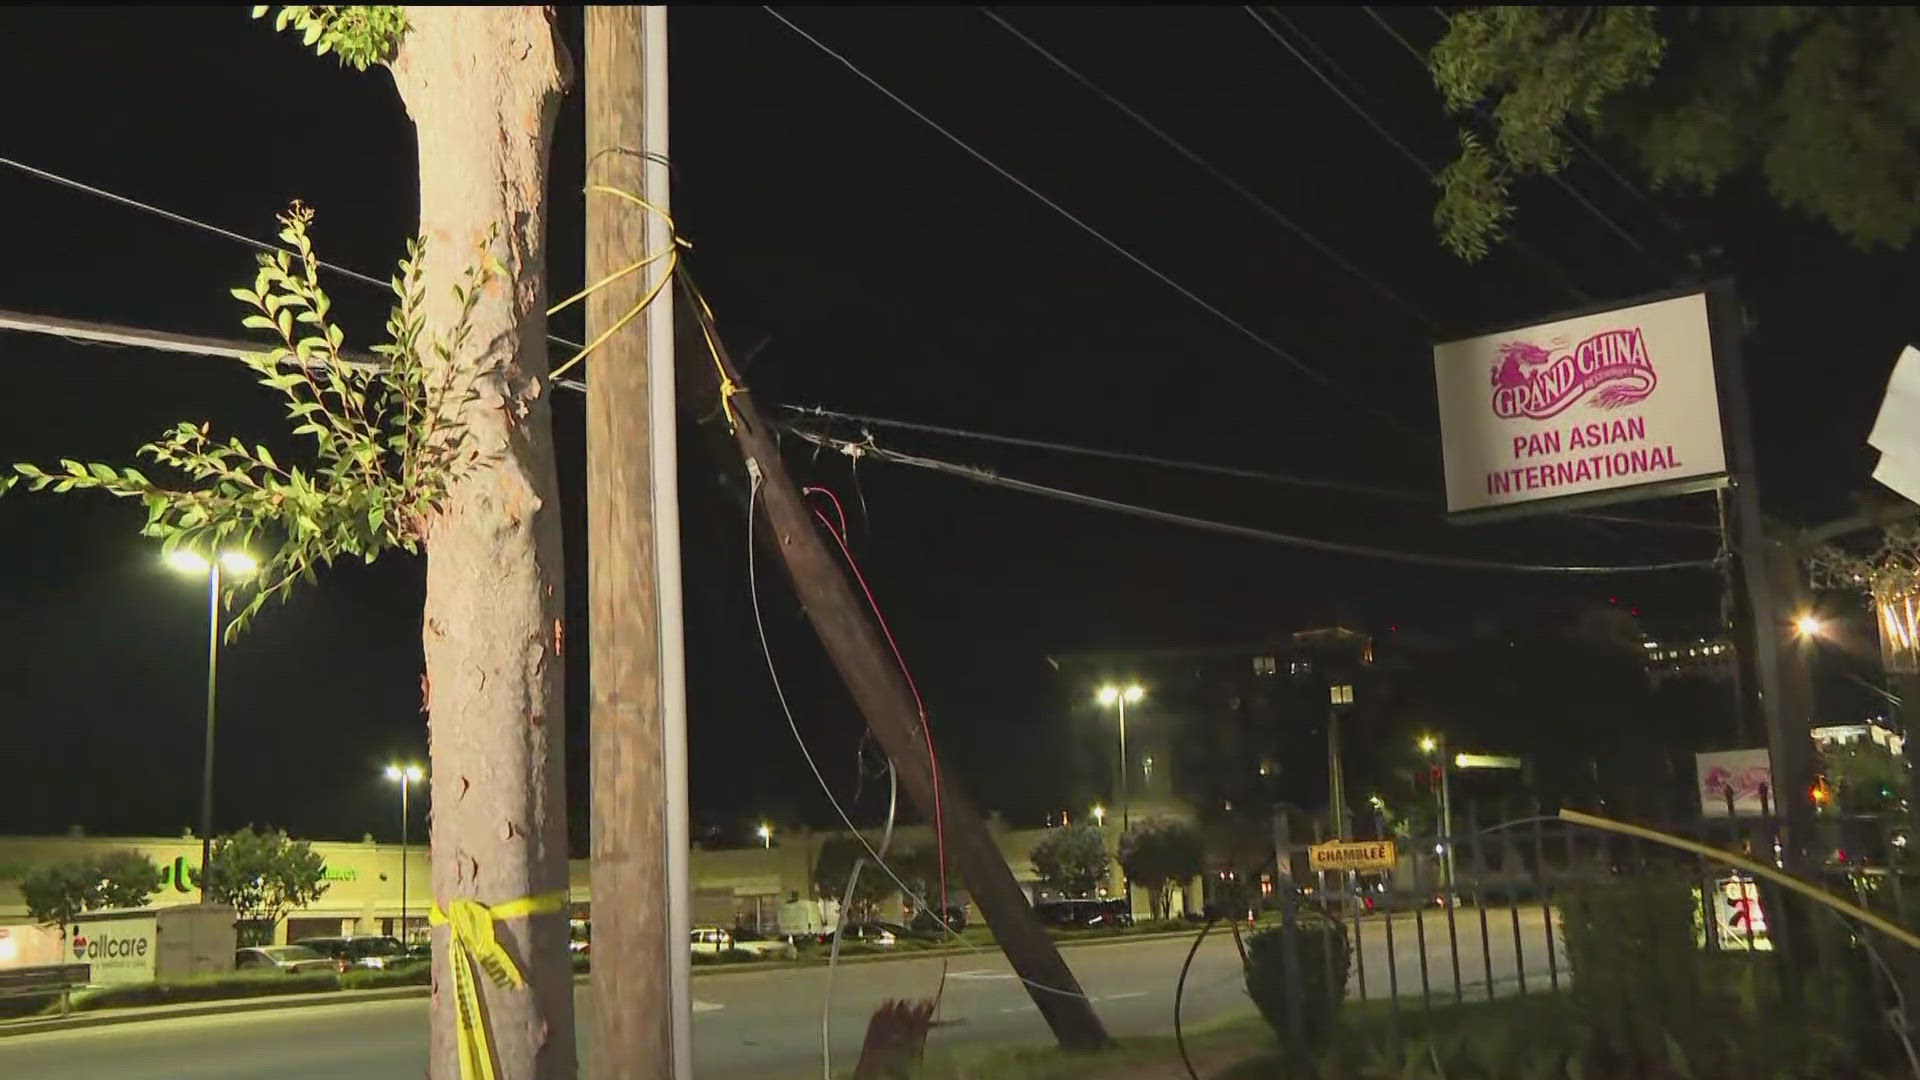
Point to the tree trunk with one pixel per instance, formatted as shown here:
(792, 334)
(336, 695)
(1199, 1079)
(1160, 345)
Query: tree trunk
(482, 85)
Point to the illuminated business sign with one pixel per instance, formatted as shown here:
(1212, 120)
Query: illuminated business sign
(116, 950)
(1619, 404)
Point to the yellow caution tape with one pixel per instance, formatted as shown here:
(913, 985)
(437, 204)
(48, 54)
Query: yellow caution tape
(471, 941)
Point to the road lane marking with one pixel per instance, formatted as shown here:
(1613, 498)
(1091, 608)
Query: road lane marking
(1091, 1000)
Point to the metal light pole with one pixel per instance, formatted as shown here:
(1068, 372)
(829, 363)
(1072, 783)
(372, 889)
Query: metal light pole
(1337, 695)
(1120, 697)
(1436, 748)
(408, 775)
(239, 564)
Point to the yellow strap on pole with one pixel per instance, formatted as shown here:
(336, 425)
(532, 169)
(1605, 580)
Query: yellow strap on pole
(1785, 880)
(471, 941)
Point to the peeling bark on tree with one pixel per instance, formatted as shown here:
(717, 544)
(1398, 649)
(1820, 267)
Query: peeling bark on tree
(483, 85)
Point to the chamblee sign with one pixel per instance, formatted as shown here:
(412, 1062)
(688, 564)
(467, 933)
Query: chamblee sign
(1615, 404)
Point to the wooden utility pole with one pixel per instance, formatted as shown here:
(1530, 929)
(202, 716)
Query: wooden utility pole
(868, 668)
(641, 963)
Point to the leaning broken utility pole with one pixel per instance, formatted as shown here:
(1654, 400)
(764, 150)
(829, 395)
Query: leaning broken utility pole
(641, 1006)
(870, 672)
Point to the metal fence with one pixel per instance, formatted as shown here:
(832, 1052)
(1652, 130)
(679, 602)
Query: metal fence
(1477, 916)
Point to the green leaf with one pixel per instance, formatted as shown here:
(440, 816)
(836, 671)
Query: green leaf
(29, 471)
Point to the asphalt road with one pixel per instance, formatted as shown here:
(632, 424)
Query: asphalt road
(765, 1024)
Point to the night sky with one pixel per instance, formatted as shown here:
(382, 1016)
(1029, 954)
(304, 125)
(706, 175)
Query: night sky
(887, 273)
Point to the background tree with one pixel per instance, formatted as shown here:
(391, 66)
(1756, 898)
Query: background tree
(262, 875)
(834, 864)
(1866, 777)
(128, 879)
(1818, 101)
(1071, 860)
(920, 868)
(1158, 854)
(55, 894)
(116, 879)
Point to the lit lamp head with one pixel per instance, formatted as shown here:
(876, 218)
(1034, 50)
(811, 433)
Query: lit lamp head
(1428, 744)
(232, 563)
(1809, 625)
(1112, 695)
(764, 832)
(1100, 814)
(409, 773)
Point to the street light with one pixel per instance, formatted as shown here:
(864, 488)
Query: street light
(1435, 748)
(238, 564)
(765, 833)
(1119, 697)
(1809, 625)
(407, 775)
(1099, 815)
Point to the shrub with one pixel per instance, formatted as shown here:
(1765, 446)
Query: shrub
(209, 989)
(731, 956)
(409, 973)
(1636, 974)
(1319, 941)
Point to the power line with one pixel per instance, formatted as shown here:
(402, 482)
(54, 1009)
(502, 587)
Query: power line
(1113, 455)
(1559, 181)
(1214, 171)
(1566, 283)
(1245, 331)
(113, 336)
(983, 476)
(1572, 136)
(1237, 472)
(208, 227)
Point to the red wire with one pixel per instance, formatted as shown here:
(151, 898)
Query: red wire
(926, 729)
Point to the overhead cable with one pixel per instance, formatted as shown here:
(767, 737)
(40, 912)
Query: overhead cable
(1217, 173)
(868, 448)
(1573, 136)
(229, 234)
(1112, 455)
(1566, 283)
(1558, 180)
(1236, 472)
(1242, 328)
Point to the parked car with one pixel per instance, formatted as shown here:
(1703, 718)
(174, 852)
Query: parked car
(878, 934)
(719, 940)
(287, 959)
(1084, 914)
(927, 921)
(370, 951)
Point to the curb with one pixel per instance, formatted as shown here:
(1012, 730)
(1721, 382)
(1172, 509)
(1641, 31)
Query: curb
(229, 1006)
(945, 952)
(219, 1007)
